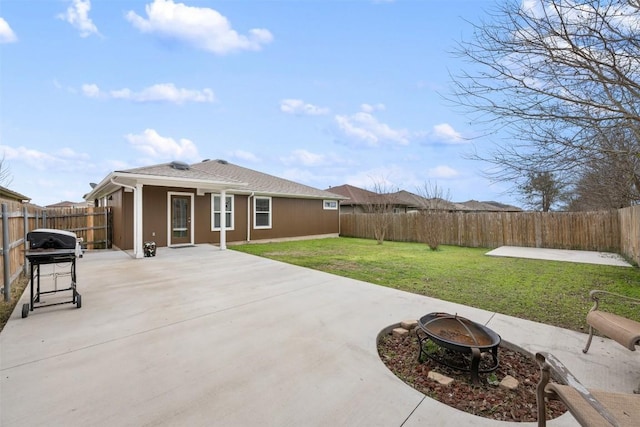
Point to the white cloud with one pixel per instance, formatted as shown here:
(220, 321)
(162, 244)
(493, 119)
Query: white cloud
(166, 92)
(442, 171)
(91, 90)
(365, 127)
(297, 106)
(370, 108)
(298, 175)
(201, 27)
(383, 177)
(6, 33)
(163, 92)
(33, 158)
(445, 132)
(155, 146)
(245, 155)
(78, 16)
(307, 158)
(68, 153)
(65, 159)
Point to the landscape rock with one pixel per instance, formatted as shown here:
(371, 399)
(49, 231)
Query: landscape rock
(439, 378)
(409, 324)
(509, 383)
(399, 332)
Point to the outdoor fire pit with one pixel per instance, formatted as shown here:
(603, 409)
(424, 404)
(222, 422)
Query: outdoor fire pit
(461, 339)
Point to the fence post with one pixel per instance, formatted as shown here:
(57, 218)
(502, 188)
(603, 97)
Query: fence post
(89, 223)
(6, 253)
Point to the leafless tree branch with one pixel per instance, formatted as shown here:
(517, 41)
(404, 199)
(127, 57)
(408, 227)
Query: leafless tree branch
(554, 76)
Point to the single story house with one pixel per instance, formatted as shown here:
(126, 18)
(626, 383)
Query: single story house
(12, 196)
(359, 200)
(68, 204)
(177, 204)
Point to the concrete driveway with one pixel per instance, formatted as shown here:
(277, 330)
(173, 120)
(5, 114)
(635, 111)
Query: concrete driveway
(199, 337)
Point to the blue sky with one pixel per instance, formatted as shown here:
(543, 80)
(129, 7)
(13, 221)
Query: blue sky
(320, 92)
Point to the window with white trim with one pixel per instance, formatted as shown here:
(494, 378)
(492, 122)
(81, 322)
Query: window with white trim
(261, 212)
(331, 205)
(215, 212)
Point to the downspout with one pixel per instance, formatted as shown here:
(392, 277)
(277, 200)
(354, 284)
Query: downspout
(223, 220)
(137, 242)
(249, 216)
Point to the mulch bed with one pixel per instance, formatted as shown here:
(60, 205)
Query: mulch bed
(487, 399)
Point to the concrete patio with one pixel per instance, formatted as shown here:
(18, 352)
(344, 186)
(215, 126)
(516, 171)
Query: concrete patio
(197, 336)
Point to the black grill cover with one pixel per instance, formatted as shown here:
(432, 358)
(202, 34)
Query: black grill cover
(48, 238)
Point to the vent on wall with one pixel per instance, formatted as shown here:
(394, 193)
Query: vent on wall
(180, 165)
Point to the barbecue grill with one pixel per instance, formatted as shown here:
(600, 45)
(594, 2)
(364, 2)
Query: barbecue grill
(49, 246)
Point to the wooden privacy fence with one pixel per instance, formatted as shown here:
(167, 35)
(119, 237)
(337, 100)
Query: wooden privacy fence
(610, 231)
(90, 224)
(630, 233)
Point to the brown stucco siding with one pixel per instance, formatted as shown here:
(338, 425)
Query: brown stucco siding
(298, 217)
(154, 213)
(291, 217)
(121, 204)
(155, 216)
(203, 231)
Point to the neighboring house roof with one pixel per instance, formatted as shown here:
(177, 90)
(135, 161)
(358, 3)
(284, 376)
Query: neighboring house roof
(68, 204)
(507, 208)
(359, 196)
(355, 195)
(208, 175)
(7, 194)
(419, 202)
(475, 205)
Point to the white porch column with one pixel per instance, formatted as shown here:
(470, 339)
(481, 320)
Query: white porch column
(223, 220)
(137, 222)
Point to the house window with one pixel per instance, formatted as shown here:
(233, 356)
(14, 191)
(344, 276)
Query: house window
(262, 212)
(331, 205)
(215, 212)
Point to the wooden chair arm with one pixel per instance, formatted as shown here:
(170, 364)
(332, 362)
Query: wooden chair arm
(549, 362)
(596, 294)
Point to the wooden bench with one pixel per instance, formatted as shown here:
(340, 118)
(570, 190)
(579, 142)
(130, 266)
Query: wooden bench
(588, 407)
(622, 330)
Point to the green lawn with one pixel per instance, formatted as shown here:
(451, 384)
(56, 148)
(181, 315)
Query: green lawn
(556, 293)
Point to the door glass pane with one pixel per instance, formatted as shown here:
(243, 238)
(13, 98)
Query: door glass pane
(180, 217)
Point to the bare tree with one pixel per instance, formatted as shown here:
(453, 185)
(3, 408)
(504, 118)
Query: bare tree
(603, 185)
(558, 79)
(428, 225)
(541, 191)
(380, 208)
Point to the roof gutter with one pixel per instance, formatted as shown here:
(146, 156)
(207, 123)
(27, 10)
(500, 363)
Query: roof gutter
(114, 182)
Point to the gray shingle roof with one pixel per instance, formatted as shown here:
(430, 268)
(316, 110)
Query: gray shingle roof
(167, 170)
(355, 195)
(420, 202)
(260, 182)
(223, 171)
